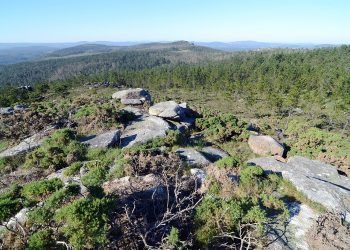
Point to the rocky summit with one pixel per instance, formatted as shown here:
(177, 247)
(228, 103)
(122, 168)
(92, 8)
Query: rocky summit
(135, 173)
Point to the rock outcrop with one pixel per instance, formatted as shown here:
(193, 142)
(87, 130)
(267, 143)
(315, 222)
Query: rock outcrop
(265, 145)
(68, 179)
(104, 140)
(293, 235)
(320, 182)
(6, 111)
(168, 110)
(27, 144)
(192, 157)
(213, 154)
(20, 107)
(134, 110)
(136, 96)
(143, 129)
(18, 220)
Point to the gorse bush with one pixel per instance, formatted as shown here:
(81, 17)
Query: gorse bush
(216, 215)
(106, 157)
(221, 128)
(228, 162)
(10, 203)
(57, 152)
(73, 169)
(86, 221)
(247, 208)
(320, 144)
(41, 240)
(95, 177)
(86, 111)
(38, 190)
(173, 237)
(10, 163)
(43, 215)
(253, 181)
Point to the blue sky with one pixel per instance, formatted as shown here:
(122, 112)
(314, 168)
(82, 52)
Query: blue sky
(315, 21)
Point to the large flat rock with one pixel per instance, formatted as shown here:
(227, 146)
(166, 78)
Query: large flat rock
(143, 130)
(104, 140)
(193, 157)
(320, 182)
(213, 154)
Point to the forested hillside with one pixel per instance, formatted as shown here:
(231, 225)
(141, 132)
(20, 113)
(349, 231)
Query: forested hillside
(283, 78)
(175, 146)
(74, 62)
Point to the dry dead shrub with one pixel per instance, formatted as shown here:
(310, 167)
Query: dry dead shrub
(152, 162)
(330, 232)
(225, 178)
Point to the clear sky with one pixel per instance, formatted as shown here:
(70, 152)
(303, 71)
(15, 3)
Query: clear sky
(316, 21)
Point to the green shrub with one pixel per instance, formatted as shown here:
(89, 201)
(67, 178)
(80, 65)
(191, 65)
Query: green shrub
(175, 137)
(3, 164)
(86, 111)
(10, 203)
(41, 240)
(11, 163)
(85, 222)
(38, 190)
(228, 162)
(44, 214)
(73, 169)
(254, 181)
(318, 143)
(104, 156)
(3, 145)
(173, 237)
(216, 214)
(221, 128)
(95, 177)
(55, 151)
(118, 170)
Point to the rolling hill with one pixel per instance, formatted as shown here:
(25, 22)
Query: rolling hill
(93, 59)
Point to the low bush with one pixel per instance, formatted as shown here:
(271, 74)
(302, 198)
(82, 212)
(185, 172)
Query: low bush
(104, 156)
(247, 209)
(10, 163)
(221, 128)
(216, 215)
(173, 237)
(41, 240)
(10, 203)
(57, 152)
(86, 221)
(319, 144)
(95, 177)
(44, 215)
(73, 169)
(228, 162)
(38, 190)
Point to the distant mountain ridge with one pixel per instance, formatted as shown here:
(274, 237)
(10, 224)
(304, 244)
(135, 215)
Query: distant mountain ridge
(254, 45)
(89, 59)
(11, 53)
